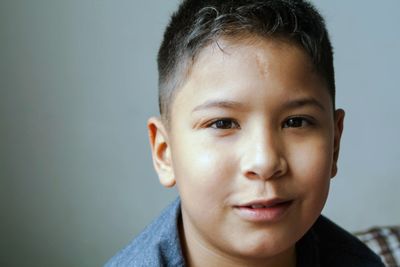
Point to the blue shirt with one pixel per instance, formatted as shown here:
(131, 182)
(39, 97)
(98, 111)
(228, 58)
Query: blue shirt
(324, 245)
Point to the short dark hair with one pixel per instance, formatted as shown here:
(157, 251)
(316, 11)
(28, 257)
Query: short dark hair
(198, 23)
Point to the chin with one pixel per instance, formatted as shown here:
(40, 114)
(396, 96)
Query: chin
(263, 248)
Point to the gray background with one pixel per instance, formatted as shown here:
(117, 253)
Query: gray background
(78, 81)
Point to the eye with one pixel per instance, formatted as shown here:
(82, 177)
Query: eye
(224, 124)
(297, 122)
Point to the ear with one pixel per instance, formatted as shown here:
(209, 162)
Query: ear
(338, 120)
(161, 151)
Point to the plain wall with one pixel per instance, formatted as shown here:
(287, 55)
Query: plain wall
(78, 82)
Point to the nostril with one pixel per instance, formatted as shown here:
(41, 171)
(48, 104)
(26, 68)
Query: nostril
(251, 175)
(263, 157)
(273, 170)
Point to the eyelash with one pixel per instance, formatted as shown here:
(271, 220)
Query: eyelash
(218, 124)
(292, 122)
(295, 120)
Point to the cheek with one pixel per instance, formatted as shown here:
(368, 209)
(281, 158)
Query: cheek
(201, 168)
(311, 168)
(204, 181)
(311, 164)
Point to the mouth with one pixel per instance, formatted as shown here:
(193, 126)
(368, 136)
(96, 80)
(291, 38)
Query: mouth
(264, 211)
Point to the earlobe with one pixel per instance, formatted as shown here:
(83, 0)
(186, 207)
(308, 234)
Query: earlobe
(339, 119)
(161, 151)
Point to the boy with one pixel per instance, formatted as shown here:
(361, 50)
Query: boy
(250, 135)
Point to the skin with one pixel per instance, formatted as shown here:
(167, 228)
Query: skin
(253, 121)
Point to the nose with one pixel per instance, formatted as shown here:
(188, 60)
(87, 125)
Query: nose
(263, 156)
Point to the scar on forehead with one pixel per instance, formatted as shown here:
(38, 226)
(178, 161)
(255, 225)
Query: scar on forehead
(262, 67)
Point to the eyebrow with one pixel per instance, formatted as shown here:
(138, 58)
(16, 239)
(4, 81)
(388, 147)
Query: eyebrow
(225, 104)
(301, 102)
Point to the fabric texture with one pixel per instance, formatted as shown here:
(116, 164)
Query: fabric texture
(158, 244)
(384, 241)
(324, 245)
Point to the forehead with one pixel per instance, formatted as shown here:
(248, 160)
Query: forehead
(244, 51)
(235, 68)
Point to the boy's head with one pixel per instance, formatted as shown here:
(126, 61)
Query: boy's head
(199, 23)
(249, 131)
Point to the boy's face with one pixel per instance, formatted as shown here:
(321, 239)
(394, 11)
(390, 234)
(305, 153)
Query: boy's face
(252, 146)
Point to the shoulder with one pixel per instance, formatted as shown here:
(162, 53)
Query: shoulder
(340, 248)
(157, 245)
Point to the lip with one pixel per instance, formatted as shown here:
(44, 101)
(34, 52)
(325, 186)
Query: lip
(264, 211)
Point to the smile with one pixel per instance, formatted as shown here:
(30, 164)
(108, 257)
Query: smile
(263, 211)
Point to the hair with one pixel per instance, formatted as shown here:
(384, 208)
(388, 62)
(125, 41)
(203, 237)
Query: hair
(198, 23)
